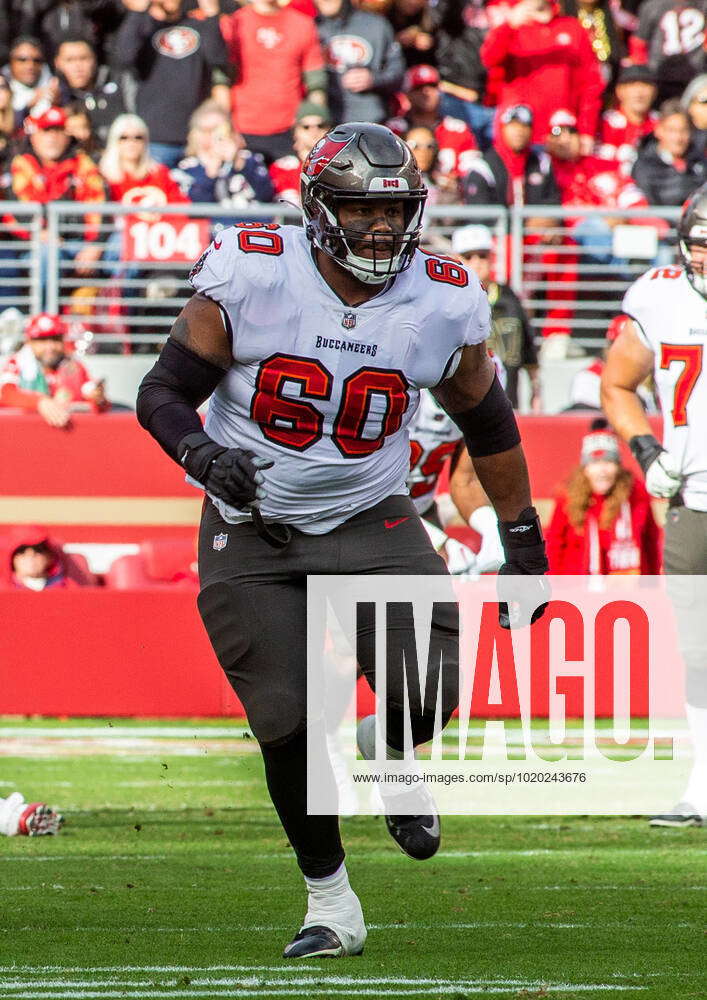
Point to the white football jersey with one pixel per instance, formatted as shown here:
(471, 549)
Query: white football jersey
(433, 438)
(671, 319)
(327, 390)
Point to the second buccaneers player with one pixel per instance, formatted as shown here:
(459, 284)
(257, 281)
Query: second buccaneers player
(314, 345)
(667, 336)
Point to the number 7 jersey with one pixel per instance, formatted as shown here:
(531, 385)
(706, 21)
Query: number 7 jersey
(324, 389)
(671, 319)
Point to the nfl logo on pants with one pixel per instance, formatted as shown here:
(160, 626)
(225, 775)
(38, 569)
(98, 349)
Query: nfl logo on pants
(220, 542)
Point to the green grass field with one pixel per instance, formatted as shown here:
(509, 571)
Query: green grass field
(173, 879)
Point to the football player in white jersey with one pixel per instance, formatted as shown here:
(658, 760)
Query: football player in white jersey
(314, 345)
(667, 336)
(434, 437)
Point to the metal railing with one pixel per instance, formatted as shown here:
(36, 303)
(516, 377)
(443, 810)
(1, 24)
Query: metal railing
(570, 266)
(21, 224)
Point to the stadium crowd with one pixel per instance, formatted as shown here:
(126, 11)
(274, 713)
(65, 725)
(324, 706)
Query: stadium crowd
(597, 103)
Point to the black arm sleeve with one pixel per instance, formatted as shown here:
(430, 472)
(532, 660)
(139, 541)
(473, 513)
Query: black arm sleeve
(490, 427)
(170, 393)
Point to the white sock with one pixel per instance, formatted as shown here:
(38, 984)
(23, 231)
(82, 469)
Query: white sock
(333, 903)
(330, 884)
(696, 792)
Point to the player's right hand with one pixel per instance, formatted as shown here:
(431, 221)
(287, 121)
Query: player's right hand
(231, 474)
(663, 477)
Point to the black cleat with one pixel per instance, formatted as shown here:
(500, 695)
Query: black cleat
(317, 942)
(682, 815)
(417, 836)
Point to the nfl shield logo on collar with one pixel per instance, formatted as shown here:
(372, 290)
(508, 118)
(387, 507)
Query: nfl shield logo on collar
(348, 321)
(220, 542)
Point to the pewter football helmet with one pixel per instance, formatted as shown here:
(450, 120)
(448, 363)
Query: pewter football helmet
(358, 161)
(692, 230)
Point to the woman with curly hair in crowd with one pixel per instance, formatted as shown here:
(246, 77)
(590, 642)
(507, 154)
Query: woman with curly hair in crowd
(603, 523)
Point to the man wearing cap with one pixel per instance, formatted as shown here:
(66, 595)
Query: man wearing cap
(512, 171)
(365, 63)
(622, 127)
(43, 378)
(511, 336)
(457, 147)
(547, 61)
(311, 124)
(50, 168)
(587, 180)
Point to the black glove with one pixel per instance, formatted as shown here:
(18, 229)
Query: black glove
(231, 474)
(524, 548)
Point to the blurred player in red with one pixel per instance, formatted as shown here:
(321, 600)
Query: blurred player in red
(42, 377)
(666, 336)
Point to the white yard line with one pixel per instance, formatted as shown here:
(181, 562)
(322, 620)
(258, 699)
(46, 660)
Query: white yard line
(83, 858)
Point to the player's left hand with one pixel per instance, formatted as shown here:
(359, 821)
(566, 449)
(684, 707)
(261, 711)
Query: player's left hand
(521, 600)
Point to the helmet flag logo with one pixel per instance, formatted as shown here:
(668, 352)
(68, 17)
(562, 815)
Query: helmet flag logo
(323, 153)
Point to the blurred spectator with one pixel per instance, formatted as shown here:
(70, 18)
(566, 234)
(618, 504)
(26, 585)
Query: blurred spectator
(457, 148)
(311, 124)
(173, 55)
(589, 181)
(49, 168)
(218, 167)
(547, 62)
(458, 58)
(31, 81)
(669, 165)
(278, 60)
(603, 523)
(597, 19)
(53, 20)
(42, 377)
(584, 388)
(512, 172)
(623, 127)
(414, 26)
(81, 79)
(365, 63)
(511, 337)
(35, 566)
(670, 37)
(79, 127)
(443, 189)
(7, 130)
(694, 101)
(133, 175)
